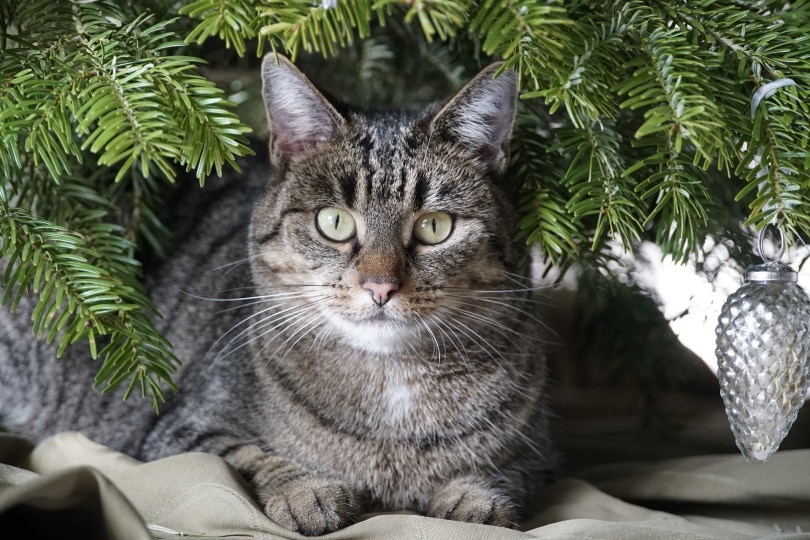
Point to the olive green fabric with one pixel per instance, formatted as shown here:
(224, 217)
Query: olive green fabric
(69, 487)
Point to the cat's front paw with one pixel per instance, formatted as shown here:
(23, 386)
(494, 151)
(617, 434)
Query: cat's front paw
(474, 501)
(311, 505)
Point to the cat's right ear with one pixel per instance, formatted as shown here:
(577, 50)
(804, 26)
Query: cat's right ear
(297, 113)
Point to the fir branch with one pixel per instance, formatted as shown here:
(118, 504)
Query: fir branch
(646, 109)
(33, 111)
(665, 82)
(79, 300)
(775, 165)
(546, 223)
(89, 99)
(545, 219)
(134, 106)
(121, 122)
(375, 61)
(233, 21)
(584, 84)
(763, 42)
(681, 125)
(530, 36)
(759, 37)
(107, 259)
(442, 18)
(296, 25)
(212, 134)
(371, 74)
(680, 200)
(598, 184)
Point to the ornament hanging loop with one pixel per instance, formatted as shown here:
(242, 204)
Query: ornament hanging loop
(772, 269)
(780, 243)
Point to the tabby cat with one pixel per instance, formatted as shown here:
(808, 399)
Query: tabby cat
(355, 327)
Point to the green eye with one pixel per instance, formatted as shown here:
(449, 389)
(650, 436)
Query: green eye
(335, 224)
(433, 227)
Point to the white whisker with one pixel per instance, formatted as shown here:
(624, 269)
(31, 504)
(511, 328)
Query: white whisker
(235, 264)
(273, 321)
(437, 350)
(488, 321)
(319, 340)
(462, 352)
(263, 311)
(264, 300)
(303, 329)
(292, 319)
(511, 306)
(478, 339)
(243, 298)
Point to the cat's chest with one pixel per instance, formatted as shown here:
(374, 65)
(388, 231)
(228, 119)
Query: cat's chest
(423, 399)
(399, 399)
(375, 398)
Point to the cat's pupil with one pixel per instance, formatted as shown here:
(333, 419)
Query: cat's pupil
(337, 221)
(433, 225)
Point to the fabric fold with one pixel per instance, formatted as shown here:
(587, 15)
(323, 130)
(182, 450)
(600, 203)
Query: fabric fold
(69, 487)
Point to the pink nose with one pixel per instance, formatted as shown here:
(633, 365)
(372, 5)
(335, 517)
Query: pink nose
(380, 292)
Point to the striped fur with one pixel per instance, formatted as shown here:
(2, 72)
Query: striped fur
(330, 400)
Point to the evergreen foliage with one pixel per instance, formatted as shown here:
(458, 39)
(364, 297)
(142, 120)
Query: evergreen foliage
(648, 101)
(96, 111)
(637, 124)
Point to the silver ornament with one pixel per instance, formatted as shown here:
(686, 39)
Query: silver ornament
(762, 357)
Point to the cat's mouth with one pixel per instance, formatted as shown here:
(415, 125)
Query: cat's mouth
(381, 316)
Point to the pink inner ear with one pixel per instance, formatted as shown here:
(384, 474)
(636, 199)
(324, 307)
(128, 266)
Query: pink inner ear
(296, 132)
(288, 147)
(482, 114)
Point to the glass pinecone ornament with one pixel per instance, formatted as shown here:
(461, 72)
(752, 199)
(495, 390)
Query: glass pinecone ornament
(762, 357)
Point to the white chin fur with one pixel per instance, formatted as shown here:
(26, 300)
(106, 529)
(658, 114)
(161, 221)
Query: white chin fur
(377, 338)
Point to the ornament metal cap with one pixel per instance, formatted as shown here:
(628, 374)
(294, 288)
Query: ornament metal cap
(771, 271)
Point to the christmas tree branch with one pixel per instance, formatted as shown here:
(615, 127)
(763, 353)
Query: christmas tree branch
(298, 25)
(598, 184)
(80, 300)
(233, 21)
(93, 110)
(777, 158)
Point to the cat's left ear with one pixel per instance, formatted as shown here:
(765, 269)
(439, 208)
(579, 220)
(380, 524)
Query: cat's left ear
(481, 115)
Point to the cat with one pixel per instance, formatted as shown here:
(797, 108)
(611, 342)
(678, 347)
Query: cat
(355, 323)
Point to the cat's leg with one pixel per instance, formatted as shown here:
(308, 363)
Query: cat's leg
(474, 500)
(294, 498)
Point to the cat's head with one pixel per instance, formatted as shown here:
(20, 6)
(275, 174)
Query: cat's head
(384, 227)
